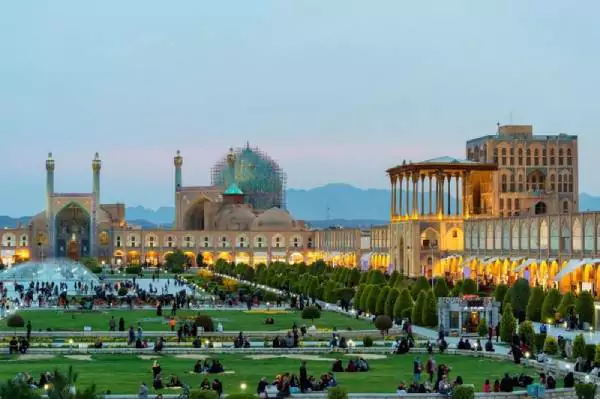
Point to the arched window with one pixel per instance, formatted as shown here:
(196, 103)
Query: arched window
(544, 157)
(310, 242)
(206, 242)
(533, 186)
(552, 183)
(565, 206)
(511, 156)
(520, 188)
(504, 183)
(561, 155)
(520, 157)
(570, 183)
(503, 156)
(536, 157)
(512, 183)
(552, 157)
(118, 242)
(569, 157)
(540, 208)
(528, 157)
(560, 183)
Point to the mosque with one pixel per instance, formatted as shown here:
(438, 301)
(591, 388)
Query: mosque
(240, 217)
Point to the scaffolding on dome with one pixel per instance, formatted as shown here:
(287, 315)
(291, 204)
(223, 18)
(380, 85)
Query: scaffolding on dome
(258, 175)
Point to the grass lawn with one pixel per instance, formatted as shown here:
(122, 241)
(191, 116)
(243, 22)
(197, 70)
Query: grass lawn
(232, 320)
(123, 374)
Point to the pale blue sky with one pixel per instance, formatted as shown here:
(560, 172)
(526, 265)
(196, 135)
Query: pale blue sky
(336, 90)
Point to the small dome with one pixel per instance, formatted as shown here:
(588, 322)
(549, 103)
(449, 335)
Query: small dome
(274, 219)
(234, 217)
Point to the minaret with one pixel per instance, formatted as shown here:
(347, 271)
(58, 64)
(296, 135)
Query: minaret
(231, 158)
(96, 166)
(49, 184)
(178, 162)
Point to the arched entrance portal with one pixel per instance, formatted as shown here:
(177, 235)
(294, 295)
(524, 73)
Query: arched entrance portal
(194, 216)
(72, 231)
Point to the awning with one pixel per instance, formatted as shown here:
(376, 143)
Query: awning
(570, 267)
(525, 264)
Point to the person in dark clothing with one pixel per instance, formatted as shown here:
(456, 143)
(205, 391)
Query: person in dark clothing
(551, 382)
(121, 324)
(506, 385)
(217, 387)
(304, 383)
(28, 330)
(497, 332)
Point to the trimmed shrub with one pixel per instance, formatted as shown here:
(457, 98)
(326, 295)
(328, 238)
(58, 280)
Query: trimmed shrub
(358, 295)
(551, 345)
(15, 321)
(590, 352)
(440, 288)
(416, 315)
(585, 391)
(377, 278)
(429, 316)
(508, 324)
(566, 304)
(403, 303)
(206, 322)
(507, 299)
(584, 307)
(420, 285)
(482, 329)
(539, 341)
(364, 298)
(579, 346)
(527, 334)
(311, 313)
(520, 298)
(500, 293)
(534, 307)
(597, 354)
(367, 342)
(383, 323)
(202, 394)
(463, 392)
(381, 300)
(550, 305)
(372, 300)
(133, 270)
(390, 301)
(336, 393)
(455, 292)
(122, 291)
(469, 287)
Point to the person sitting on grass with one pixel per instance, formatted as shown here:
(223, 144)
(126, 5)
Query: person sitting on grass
(269, 321)
(13, 346)
(217, 386)
(337, 366)
(216, 367)
(157, 382)
(174, 382)
(489, 346)
(205, 385)
(198, 367)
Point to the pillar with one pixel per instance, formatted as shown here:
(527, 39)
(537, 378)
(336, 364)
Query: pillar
(96, 166)
(422, 213)
(408, 176)
(178, 162)
(449, 197)
(415, 195)
(430, 196)
(400, 182)
(49, 193)
(464, 194)
(457, 210)
(440, 193)
(393, 197)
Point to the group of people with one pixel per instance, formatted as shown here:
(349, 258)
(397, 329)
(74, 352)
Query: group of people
(354, 366)
(209, 366)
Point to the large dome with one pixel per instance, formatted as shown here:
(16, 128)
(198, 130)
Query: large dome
(274, 219)
(234, 217)
(255, 173)
(57, 270)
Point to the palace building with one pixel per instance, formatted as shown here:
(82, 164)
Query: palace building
(240, 217)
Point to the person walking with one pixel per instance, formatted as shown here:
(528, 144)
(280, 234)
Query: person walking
(304, 383)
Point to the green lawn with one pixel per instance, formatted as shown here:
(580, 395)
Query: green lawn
(231, 320)
(123, 374)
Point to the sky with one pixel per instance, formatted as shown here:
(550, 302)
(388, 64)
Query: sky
(336, 90)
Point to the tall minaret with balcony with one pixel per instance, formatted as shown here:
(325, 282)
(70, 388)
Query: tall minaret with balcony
(178, 162)
(96, 166)
(49, 194)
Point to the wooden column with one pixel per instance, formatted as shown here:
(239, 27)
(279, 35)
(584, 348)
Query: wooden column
(457, 197)
(400, 181)
(430, 196)
(422, 195)
(449, 197)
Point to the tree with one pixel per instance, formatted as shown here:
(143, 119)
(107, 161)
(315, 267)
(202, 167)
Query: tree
(377, 278)
(364, 299)
(520, 298)
(372, 300)
(527, 334)
(403, 302)
(90, 262)
(440, 288)
(584, 307)
(482, 329)
(455, 291)
(550, 305)
(14, 389)
(358, 296)
(534, 307)
(417, 311)
(550, 345)
(63, 385)
(390, 301)
(508, 324)
(15, 321)
(469, 287)
(507, 299)
(311, 313)
(381, 299)
(200, 260)
(579, 347)
(353, 277)
(429, 314)
(500, 293)
(383, 323)
(566, 304)
(419, 285)
(393, 278)
(176, 260)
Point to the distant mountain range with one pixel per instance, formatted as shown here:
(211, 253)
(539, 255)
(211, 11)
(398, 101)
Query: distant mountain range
(335, 204)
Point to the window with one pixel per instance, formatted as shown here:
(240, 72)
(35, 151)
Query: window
(512, 183)
(536, 157)
(566, 207)
(544, 157)
(528, 157)
(520, 183)
(560, 183)
(170, 242)
(495, 156)
(552, 183)
(206, 245)
(511, 158)
(503, 183)
(561, 154)
(540, 208)
(277, 242)
(501, 204)
(570, 183)
(118, 241)
(552, 155)
(503, 156)
(569, 157)
(509, 204)
(517, 204)
(310, 243)
(520, 157)
(454, 234)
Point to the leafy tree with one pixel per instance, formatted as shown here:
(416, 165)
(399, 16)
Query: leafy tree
(417, 311)
(200, 260)
(455, 291)
(507, 299)
(403, 303)
(440, 288)
(390, 301)
(377, 278)
(311, 313)
(17, 389)
(551, 345)
(176, 260)
(90, 262)
(500, 293)
(393, 278)
(550, 305)
(372, 300)
(353, 277)
(381, 299)
(566, 304)
(584, 307)
(383, 323)
(419, 285)
(358, 295)
(508, 324)
(527, 334)
(364, 298)
(469, 287)
(429, 316)
(520, 298)
(482, 329)
(579, 346)
(534, 307)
